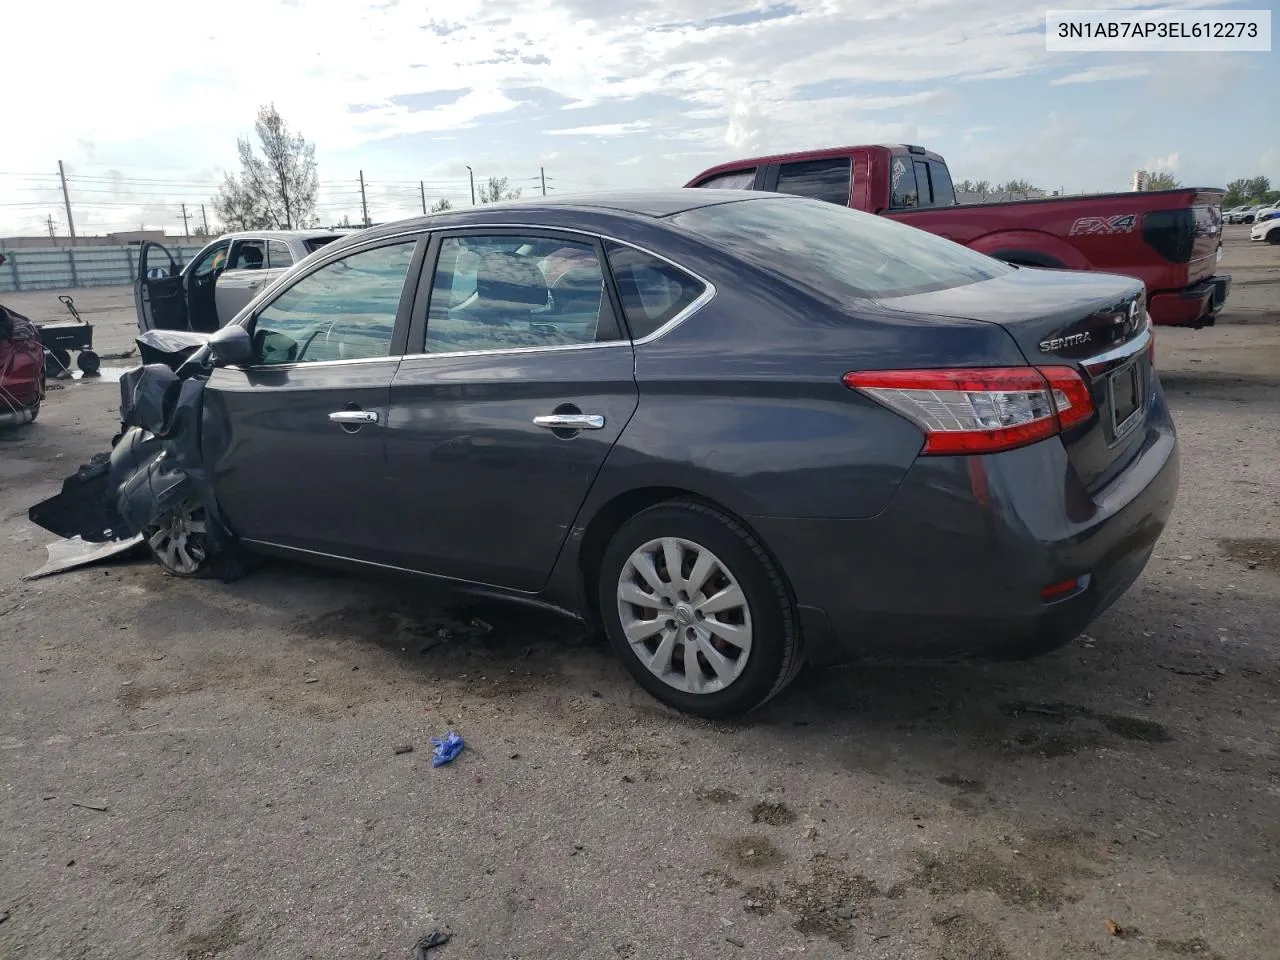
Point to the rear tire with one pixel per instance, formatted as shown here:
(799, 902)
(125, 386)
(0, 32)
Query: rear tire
(179, 541)
(1274, 236)
(716, 637)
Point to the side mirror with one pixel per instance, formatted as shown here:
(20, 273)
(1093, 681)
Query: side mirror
(231, 346)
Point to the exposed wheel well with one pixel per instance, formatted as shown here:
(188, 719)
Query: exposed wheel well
(1028, 258)
(610, 518)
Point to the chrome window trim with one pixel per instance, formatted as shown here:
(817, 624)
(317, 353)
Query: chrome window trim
(707, 295)
(258, 367)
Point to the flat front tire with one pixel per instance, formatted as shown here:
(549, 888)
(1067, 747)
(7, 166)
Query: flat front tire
(697, 610)
(179, 541)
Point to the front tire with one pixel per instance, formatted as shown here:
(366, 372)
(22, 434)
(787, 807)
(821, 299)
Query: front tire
(179, 541)
(697, 610)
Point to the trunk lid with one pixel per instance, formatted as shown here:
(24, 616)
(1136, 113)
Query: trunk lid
(1094, 323)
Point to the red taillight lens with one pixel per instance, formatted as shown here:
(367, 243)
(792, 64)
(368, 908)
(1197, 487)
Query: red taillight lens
(980, 410)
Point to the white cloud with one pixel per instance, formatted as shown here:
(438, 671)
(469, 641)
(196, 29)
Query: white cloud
(1117, 71)
(164, 97)
(1166, 164)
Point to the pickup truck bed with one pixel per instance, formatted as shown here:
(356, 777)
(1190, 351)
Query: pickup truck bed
(1168, 239)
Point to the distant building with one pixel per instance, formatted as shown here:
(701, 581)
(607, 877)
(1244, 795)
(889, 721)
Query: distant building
(1139, 180)
(124, 238)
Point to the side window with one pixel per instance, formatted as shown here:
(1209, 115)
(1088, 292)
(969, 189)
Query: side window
(902, 183)
(507, 292)
(248, 255)
(278, 254)
(346, 310)
(738, 180)
(922, 183)
(829, 180)
(944, 194)
(214, 259)
(653, 292)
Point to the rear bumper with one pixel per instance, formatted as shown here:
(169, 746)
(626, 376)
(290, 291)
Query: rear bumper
(954, 566)
(1196, 306)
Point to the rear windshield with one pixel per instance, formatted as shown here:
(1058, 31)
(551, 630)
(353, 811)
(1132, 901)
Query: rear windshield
(315, 243)
(839, 251)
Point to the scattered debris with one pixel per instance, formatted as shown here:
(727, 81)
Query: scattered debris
(403, 748)
(101, 808)
(311, 680)
(75, 552)
(436, 938)
(1192, 672)
(810, 832)
(736, 942)
(1114, 928)
(446, 749)
(774, 814)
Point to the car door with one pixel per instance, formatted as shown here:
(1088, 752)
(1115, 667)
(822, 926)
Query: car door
(517, 382)
(159, 291)
(296, 440)
(245, 275)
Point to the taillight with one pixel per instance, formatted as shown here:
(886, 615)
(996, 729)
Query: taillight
(983, 409)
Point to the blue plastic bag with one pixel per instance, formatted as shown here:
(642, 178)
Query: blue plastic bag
(446, 749)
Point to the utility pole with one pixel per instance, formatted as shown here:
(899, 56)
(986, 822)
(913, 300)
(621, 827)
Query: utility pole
(186, 234)
(51, 234)
(66, 199)
(542, 172)
(205, 217)
(472, 174)
(422, 189)
(364, 204)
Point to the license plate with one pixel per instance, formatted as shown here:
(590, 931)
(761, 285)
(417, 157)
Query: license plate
(1126, 398)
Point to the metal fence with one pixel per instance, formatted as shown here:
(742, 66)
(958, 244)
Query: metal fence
(54, 267)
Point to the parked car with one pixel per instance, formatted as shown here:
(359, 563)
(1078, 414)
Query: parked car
(219, 280)
(740, 431)
(22, 373)
(1169, 239)
(1247, 214)
(1267, 212)
(1267, 229)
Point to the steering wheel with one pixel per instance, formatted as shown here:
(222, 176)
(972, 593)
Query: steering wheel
(327, 331)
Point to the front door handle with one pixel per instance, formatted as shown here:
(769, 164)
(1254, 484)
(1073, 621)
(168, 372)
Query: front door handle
(354, 416)
(570, 421)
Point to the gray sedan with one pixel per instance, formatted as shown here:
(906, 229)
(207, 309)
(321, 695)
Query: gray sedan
(220, 280)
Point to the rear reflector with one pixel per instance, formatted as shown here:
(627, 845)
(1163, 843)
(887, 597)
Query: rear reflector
(1064, 588)
(983, 409)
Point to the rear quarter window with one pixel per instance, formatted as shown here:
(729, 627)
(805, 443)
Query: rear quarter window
(837, 251)
(902, 183)
(652, 291)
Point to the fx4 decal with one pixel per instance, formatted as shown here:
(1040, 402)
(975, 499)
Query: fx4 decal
(1092, 226)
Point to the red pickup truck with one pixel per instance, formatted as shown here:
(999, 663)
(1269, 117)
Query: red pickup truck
(1169, 239)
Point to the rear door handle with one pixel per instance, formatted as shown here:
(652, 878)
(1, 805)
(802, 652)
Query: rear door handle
(354, 416)
(570, 421)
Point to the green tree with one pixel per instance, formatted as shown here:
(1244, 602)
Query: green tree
(1161, 181)
(974, 190)
(495, 190)
(1237, 194)
(276, 189)
(441, 205)
(1019, 188)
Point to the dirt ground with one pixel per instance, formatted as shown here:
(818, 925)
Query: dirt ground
(201, 770)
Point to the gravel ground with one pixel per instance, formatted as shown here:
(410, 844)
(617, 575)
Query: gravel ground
(200, 770)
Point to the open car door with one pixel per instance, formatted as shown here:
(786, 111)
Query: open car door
(160, 291)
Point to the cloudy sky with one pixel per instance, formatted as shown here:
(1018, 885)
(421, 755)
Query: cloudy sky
(144, 109)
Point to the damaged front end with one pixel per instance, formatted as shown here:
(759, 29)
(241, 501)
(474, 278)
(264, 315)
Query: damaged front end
(153, 485)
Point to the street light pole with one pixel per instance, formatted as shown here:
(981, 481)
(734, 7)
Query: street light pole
(472, 174)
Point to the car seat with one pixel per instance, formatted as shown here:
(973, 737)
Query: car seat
(508, 289)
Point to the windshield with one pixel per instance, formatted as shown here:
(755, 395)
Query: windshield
(836, 250)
